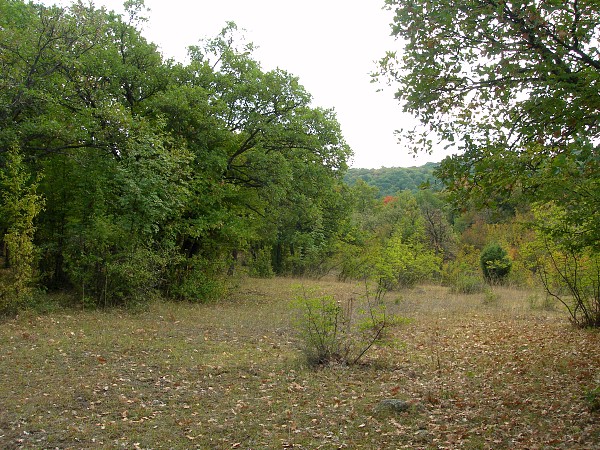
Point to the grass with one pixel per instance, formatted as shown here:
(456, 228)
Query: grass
(229, 375)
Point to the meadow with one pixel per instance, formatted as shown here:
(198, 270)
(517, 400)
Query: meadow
(478, 371)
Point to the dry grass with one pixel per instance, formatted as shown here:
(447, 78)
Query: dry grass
(480, 372)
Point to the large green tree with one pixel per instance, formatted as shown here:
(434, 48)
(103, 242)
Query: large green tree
(284, 159)
(514, 85)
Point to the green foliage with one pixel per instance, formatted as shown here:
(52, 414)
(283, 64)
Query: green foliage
(495, 263)
(592, 398)
(19, 206)
(569, 273)
(388, 241)
(391, 180)
(335, 332)
(261, 266)
(105, 278)
(198, 280)
(436, 221)
(405, 264)
(468, 284)
(514, 86)
(462, 273)
(545, 304)
(155, 173)
(490, 298)
(483, 72)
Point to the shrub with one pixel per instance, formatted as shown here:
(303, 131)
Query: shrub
(467, 284)
(124, 278)
(546, 304)
(490, 297)
(405, 264)
(19, 206)
(198, 279)
(592, 398)
(462, 274)
(495, 263)
(334, 332)
(569, 272)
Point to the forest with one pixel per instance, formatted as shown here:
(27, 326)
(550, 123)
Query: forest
(187, 261)
(126, 176)
(391, 180)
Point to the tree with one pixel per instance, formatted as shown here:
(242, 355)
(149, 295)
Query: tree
(283, 158)
(495, 263)
(515, 85)
(437, 226)
(19, 206)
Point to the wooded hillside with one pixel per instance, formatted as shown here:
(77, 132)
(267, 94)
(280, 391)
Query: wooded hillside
(391, 180)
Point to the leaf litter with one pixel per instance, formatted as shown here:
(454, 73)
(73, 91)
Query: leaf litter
(230, 375)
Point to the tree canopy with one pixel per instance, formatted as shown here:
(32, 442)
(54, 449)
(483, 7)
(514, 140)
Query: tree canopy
(391, 180)
(514, 85)
(136, 174)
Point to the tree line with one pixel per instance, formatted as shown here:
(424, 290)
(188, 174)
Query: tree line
(123, 173)
(391, 180)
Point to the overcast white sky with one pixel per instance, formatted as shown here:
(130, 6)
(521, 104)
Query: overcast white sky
(331, 45)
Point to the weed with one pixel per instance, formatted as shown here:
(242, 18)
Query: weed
(592, 397)
(490, 297)
(545, 304)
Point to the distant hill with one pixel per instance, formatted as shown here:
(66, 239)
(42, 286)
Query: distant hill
(391, 180)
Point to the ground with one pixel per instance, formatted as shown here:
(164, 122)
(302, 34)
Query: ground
(480, 372)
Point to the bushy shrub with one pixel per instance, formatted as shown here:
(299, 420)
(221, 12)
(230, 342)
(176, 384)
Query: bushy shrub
(462, 274)
(331, 331)
(569, 272)
(19, 206)
(546, 303)
(124, 278)
(405, 264)
(198, 280)
(592, 398)
(495, 263)
(490, 297)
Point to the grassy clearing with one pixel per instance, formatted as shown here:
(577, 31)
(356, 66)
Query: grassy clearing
(479, 374)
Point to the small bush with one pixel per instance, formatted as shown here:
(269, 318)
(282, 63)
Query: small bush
(569, 273)
(405, 264)
(461, 274)
(128, 277)
(490, 297)
(546, 304)
(336, 332)
(198, 280)
(592, 398)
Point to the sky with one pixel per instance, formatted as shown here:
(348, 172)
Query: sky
(331, 45)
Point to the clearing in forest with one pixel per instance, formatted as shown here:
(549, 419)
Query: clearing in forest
(479, 371)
